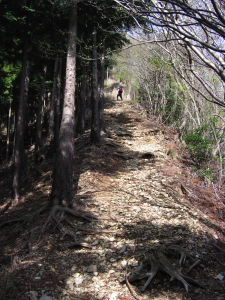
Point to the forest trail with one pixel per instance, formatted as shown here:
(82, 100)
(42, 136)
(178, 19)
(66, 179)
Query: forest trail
(147, 198)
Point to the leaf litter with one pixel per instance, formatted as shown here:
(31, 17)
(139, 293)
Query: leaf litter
(157, 231)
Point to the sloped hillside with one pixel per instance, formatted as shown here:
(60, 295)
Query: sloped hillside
(151, 216)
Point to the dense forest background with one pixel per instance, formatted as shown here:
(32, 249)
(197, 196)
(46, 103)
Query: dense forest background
(173, 66)
(40, 58)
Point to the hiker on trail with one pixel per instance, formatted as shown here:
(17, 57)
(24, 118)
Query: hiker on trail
(120, 92)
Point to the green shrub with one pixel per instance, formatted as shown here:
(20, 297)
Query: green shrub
(199, 146)
(207, 173)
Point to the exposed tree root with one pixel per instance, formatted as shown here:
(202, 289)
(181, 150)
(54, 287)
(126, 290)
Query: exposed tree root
(196, 263)
(90, 231)
(5, 208)
(159, 262)
(55, 219)
(26, 218)
(130, 288)
(57, 216)
(11, 221)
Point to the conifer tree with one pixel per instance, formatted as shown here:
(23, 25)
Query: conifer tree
(64, 164)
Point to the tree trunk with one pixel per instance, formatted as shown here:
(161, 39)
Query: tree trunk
(95, 126)
(8, 130)
(64, 164)
(82, 102)
(19, 151)
(58, 107)
(102, 96)
(52, 107)
(38, 139)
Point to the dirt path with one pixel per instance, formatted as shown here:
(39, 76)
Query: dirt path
(148, 200)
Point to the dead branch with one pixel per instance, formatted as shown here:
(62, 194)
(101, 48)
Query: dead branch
(154, 270)
(136, 274)
(183, 253)
(167, 267)
(196, 263)
(159, 262)
(132, 291)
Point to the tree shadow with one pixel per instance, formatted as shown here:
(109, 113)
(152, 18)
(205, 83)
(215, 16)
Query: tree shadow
(65, 272)
(139, 240)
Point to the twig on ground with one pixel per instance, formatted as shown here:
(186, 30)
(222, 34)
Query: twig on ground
(196, 263)
(132, 291)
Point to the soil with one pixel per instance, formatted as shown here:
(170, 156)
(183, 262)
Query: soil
(145, 198)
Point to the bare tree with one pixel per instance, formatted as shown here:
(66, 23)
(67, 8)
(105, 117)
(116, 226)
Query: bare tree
(199, 26)
(172, 84)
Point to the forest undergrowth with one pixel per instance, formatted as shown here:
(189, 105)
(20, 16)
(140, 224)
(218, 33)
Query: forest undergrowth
(141, 217)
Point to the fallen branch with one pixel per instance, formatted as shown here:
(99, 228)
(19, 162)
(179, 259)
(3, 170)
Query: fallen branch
(130, 288)
(196, 263)
(154, 270)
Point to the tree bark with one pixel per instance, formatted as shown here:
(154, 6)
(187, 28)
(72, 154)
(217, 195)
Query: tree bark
(102, 96)
(52, 107)
(95, 126)
(58, 107)
(64, 164)
(19, 151)
(8, 130)
(38, 139)
(82, 102)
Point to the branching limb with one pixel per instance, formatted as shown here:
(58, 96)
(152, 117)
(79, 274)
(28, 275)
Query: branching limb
(159, 262)
(168, 268)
